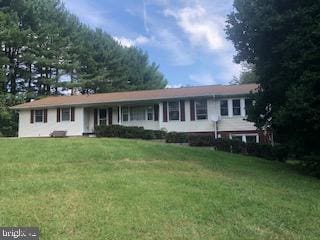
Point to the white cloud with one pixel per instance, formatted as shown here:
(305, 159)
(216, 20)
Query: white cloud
(200, 27)
(203, 78)
(127, 42)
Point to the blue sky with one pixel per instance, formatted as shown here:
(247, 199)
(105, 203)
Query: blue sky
(185, 37)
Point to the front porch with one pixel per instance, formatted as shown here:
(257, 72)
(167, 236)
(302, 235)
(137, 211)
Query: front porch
(142, 115)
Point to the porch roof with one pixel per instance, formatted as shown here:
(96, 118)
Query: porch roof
(135, 96)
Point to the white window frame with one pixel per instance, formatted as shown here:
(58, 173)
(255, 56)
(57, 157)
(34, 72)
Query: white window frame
(149, 110)
(144, 113)
(226, 100)
(102, 119)
(175, 110)
(42, 116)
(196, 108)
(125, 111)
(69, 119)
(244, 136)
(233, 108)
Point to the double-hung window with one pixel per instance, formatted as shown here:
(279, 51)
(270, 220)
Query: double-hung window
(39, 116)
(65, 114)
(125, 114)
(174, 113)
(102, 116)
(150, 112)
(137, 114)
(201, 109)
(236, 107)
(224, 108)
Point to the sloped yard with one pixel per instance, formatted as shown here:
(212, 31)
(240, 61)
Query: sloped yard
(86, 188)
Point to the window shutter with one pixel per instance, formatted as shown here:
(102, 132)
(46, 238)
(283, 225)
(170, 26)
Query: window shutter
(110, 116)
(165, 111)
(118, 114)
(72, 114)
(58, 115)
(32, 116)
(192, 112)
(182, 111)
(45, 115)
(156, 112)
(95, 116)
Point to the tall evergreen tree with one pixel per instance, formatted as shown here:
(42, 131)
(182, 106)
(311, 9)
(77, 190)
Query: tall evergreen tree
(42, 44)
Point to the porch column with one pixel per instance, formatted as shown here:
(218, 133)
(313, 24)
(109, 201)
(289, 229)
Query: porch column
(119, 115)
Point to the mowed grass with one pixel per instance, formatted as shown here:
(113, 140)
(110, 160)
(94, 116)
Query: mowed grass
(86, 188)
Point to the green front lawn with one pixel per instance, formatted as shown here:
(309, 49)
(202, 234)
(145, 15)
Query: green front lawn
(85, 188)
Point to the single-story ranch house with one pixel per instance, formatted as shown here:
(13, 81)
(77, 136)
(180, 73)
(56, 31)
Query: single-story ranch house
(220, 110)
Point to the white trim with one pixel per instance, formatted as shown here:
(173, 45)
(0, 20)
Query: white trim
(119, 115)
(244, 135)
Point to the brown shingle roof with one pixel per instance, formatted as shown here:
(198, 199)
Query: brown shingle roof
(118, 97)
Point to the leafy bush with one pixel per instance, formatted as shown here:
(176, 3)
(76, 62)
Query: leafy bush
(176, 137)
(160, 134)
(260, 150)
(238, 146)
(148, 135)
(280, 152)
(252, 149)
(128, 132)
(222, 144)
(201, 140)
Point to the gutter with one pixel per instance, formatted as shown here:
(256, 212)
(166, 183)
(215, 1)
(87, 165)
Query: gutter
(124, 101)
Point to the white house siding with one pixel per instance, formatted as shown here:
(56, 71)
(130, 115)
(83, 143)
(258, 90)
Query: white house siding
(27, 129)
(84, 121)
(188, 125)
(233, 123)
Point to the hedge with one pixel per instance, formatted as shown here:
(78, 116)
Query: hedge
(177, 137)
(128, 132)
(200, 140)
(277, 152)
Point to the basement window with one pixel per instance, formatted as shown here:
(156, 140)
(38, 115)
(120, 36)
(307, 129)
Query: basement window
(251, 139)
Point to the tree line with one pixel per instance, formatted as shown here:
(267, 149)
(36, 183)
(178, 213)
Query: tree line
(45, 50)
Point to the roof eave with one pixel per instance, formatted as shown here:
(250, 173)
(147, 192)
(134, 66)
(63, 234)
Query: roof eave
(126, 101)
